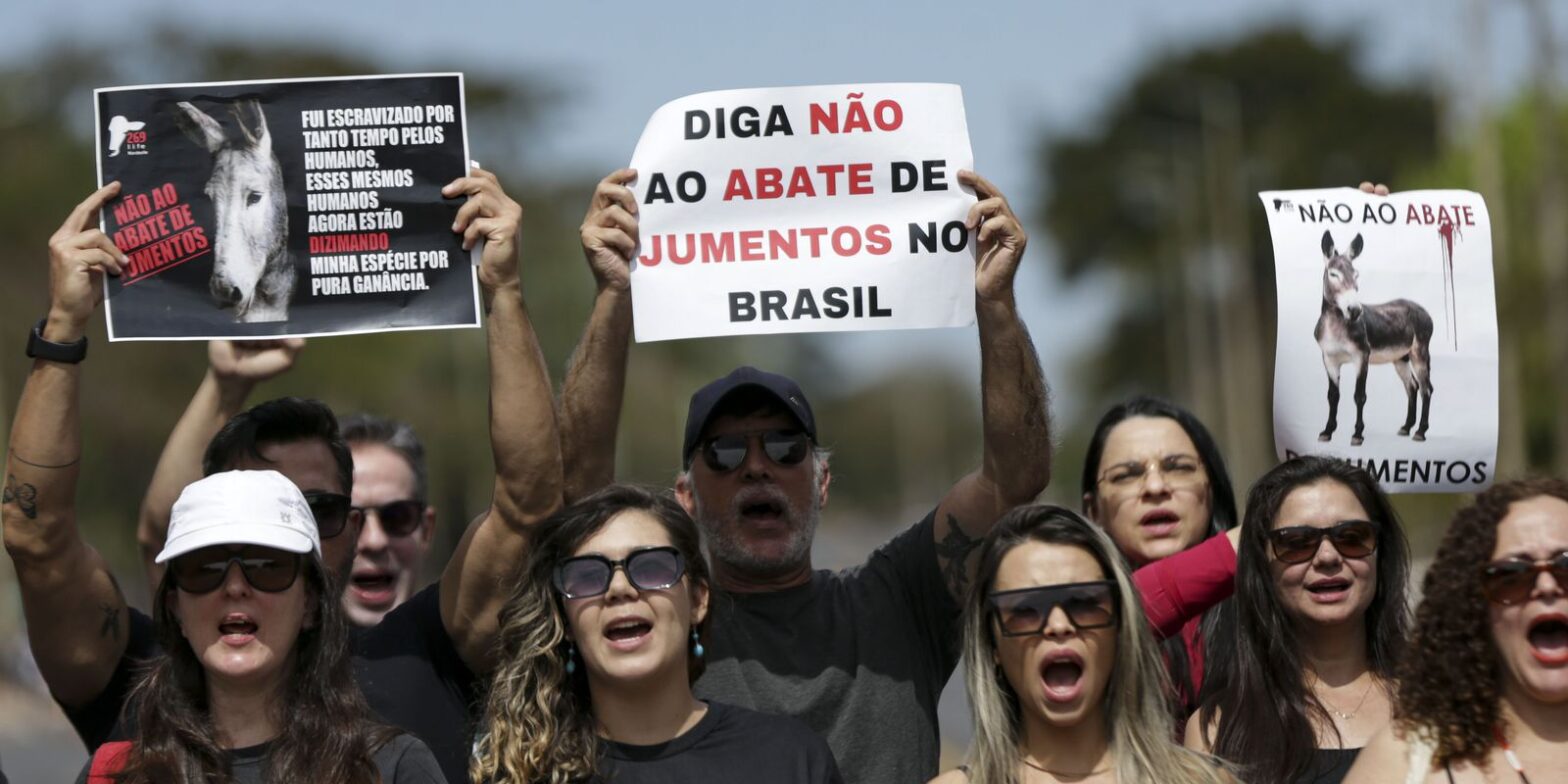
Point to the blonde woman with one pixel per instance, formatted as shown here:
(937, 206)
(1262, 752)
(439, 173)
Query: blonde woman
(1064, 677)
(600, 641)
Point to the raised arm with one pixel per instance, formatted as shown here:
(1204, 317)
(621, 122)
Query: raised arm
(76, 614)
(1014, 408)
(596, 377)
(234, 369)
(523, 435)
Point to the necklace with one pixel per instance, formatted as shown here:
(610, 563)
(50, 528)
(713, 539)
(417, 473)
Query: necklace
(1353, 711)
(1060, 774)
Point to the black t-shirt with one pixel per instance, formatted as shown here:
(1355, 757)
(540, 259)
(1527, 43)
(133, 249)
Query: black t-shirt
(403, 760)
(728, 744)
(406, 665)
(860, 656)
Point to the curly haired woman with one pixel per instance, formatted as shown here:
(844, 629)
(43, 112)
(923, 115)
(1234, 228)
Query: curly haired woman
(1483, 688)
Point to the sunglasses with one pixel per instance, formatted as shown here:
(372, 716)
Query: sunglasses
(1026, 611)
(1296, 544)
(265, 568)
(1510, 582)
(648, 569)
(331, 511)
(399, 518)
(784, 447)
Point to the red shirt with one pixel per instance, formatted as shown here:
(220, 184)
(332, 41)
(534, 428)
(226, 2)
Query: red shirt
(1178, 589)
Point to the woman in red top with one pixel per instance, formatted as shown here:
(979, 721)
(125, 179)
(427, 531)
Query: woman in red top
(1154, 479)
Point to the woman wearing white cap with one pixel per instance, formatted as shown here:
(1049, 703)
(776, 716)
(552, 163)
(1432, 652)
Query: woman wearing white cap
(255, 683)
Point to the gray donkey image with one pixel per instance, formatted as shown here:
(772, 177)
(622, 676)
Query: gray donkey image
(253, 272)
(1350, 332)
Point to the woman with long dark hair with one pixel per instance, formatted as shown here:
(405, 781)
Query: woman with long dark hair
(599, 644)
(1064, 677)
(1154, 479)
(1315, 628)
(255, 684)
(1483, 686)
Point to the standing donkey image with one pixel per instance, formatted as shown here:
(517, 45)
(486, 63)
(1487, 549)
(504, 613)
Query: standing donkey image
(1350, 332)
(253, 272)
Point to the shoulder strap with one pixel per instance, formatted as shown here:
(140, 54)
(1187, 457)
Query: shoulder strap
(108, 761)
(1422, 748)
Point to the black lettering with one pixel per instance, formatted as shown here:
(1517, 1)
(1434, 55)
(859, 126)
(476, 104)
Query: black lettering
(658, 190)
(745, 121)
(778, 122)
(922, 238)
(691, 186)
(1480, 472)
(935, 176)
(905, 178)
(805, 305)
(697, 124)
(773, 305)
(877, 312)
(955, 236)
(834, 304)
(742, 307)
(1464, 477)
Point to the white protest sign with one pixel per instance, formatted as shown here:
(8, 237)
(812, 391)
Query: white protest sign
(1387, 300)
(803, 209)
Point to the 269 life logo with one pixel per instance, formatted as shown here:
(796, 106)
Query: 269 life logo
(127, 136)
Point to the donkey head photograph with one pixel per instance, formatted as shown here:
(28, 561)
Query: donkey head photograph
(252, 271)
(1350, 332)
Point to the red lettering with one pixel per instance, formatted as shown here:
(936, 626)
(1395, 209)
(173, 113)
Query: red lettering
(770, 183)
(824, 120)
(878, 241)
(859, 179)
(751, 245)
(737, 185)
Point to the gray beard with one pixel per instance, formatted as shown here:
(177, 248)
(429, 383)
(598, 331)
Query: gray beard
(727, 548)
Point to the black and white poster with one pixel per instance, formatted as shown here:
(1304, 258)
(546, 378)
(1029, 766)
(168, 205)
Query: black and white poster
(295, 207)
(1387, 343)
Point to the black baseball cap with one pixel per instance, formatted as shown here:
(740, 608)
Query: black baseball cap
(782, 388)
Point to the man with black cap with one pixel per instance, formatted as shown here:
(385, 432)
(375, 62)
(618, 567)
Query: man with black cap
(860, 655)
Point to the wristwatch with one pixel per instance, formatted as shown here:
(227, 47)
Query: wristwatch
(69, 353)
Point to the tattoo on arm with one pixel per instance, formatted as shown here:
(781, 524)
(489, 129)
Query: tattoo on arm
(111, 615)
(955, 550)
(24, 495)
(24, 460)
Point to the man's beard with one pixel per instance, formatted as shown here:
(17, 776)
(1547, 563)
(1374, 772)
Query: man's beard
(727, 543)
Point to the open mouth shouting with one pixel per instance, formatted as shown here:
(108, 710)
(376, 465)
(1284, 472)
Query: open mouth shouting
(237, 629)
(628, 633)
(1548, 638)
(1159, 523)
(1061, 675)
(1330, 590)
(373, 586)
(762, 507)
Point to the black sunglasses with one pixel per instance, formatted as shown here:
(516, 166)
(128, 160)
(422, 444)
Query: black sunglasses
(398, 518)
(648, 569)
(265, 568)
(1296, 544)
(331, 511)
(1510, 582)
(1025, 611)
(785, 447)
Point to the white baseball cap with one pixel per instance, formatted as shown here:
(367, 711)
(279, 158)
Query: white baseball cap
(241, 507)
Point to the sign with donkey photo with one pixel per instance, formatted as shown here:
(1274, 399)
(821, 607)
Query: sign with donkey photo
(285, 208)
(1387, 347)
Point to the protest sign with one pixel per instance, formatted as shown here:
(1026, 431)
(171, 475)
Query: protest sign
(285, 208)
(803, 209)
(1387, 347)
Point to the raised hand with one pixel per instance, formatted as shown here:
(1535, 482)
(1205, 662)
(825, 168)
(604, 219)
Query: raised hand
(252, 361)
(609, 230)
(491, 215)
(1001, 239)
(79, 256)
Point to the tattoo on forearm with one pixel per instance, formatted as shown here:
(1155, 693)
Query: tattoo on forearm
(111, 615)
(954, 550)
(24, 495)
(18, 458)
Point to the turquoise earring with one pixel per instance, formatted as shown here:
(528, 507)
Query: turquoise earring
(571, 658)
(696, 645)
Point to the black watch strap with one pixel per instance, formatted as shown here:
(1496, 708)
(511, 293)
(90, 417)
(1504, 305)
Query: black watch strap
(69, 353)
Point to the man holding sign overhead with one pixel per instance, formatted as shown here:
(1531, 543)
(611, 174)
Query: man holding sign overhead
(860, 655)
